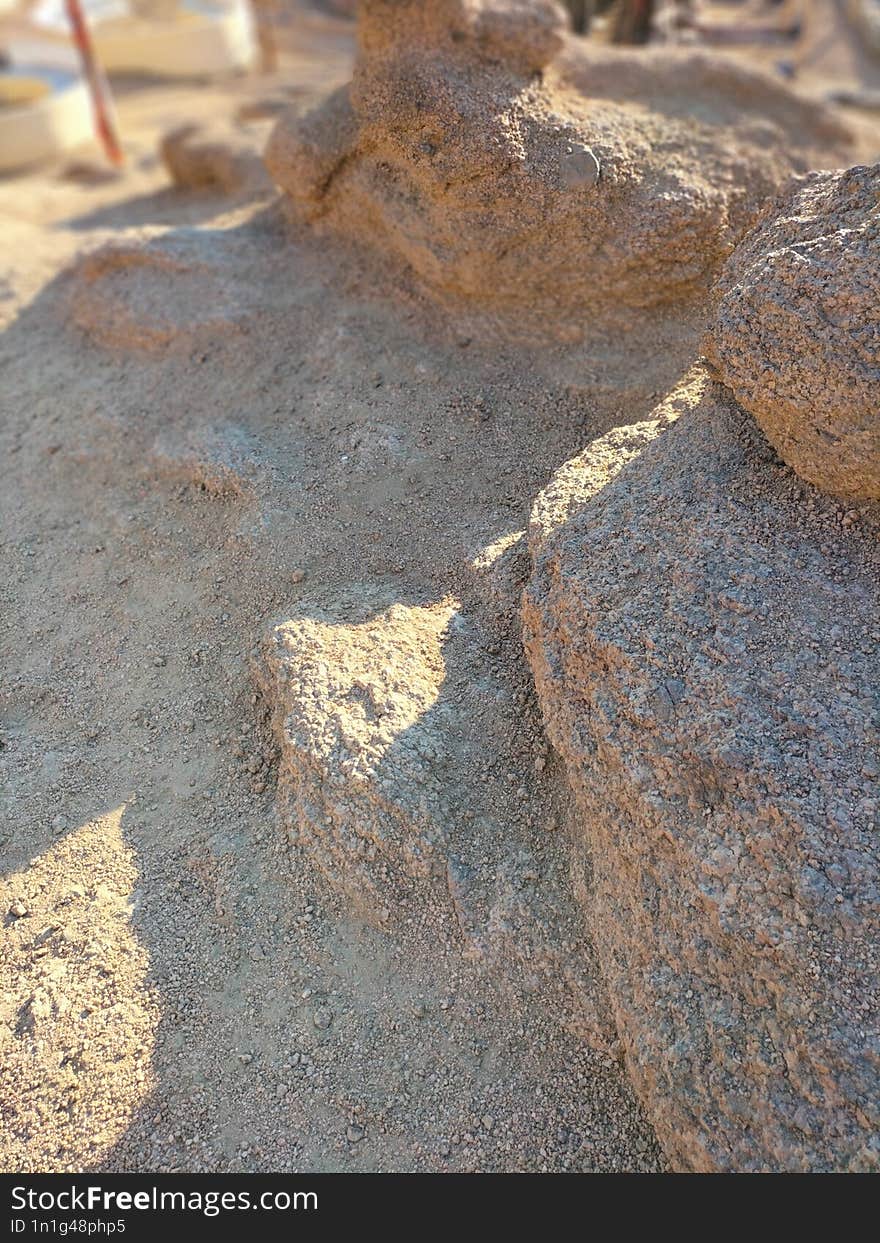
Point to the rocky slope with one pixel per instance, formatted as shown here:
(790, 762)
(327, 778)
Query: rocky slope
(203, 450)
(282, 833)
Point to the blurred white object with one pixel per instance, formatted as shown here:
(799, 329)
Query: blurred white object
(194, 38)
(45, 111)
(197, 39)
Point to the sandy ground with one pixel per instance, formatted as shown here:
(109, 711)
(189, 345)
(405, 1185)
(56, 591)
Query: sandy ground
(180, 990)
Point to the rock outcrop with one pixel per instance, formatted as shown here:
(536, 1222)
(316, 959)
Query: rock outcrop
(461, 149)
(397, 736)
(797, 332)
(703, 634)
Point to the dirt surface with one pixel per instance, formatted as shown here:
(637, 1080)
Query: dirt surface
(196, 433)
(209, 431)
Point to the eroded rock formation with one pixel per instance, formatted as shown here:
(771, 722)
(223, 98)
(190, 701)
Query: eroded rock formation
(797, 332)
(461, 149)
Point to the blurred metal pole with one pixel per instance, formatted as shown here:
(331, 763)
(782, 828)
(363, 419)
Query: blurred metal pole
(102, 100)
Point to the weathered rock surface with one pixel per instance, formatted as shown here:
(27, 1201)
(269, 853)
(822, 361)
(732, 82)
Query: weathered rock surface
(396, 733)
(703, 634)
(460, 148)
(797, 332)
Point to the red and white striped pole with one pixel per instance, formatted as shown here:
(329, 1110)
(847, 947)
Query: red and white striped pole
(102, 100)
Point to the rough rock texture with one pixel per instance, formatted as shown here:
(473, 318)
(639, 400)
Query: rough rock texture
(216, 155)
(166, 996)
(719, 728)
(797, 332)
(459, 148)
(390, 725)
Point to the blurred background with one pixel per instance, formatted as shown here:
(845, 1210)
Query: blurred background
(90, 88)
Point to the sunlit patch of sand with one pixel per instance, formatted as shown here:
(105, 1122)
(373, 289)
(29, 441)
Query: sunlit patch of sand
(77, 1016)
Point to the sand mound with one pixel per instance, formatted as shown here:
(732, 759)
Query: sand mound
(500, 179)
(797, 333)
(723, 91)
(151, 295)
(718, 727)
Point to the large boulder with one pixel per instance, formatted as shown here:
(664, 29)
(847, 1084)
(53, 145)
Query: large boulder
(703, 634)
(797, 331)
(460, 148)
